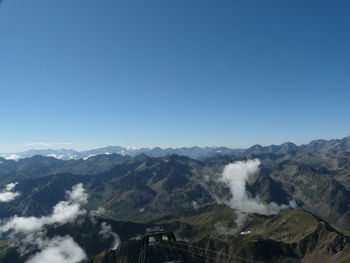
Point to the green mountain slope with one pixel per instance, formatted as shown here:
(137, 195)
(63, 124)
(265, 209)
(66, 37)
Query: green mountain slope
(291, 236)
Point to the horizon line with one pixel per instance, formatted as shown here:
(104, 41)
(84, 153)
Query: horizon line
(164, 148)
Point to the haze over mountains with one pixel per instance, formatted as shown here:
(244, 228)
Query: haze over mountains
(67, 154)
(194, 152)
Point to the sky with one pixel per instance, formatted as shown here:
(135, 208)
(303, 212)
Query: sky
(83, 74)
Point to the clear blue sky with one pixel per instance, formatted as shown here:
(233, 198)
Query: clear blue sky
(173, 72)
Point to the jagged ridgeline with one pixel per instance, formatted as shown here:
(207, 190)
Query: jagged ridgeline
(282, 203)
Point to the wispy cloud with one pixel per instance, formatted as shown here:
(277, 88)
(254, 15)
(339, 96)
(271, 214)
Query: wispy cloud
(48, 144)
(57, 249)
(63, 212)
(7, 195)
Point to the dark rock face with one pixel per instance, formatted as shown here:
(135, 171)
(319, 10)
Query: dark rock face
(269, 190)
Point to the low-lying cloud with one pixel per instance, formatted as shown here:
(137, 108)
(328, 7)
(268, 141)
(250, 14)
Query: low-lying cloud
(57, 250)
(13, 156)
(235, 176)
(63, 212)
(7, 195)
(106, 232)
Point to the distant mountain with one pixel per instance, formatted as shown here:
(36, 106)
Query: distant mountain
(314, 146)
(64, 154)
(276, 149)
(329, 145)
(195, 152)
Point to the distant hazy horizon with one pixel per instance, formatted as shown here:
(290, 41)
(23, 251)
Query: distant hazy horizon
(54, 146)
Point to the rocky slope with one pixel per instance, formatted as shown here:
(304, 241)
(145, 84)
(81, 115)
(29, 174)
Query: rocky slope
(291, 236)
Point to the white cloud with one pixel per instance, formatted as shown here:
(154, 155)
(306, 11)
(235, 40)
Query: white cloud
(10, 186)
(106, 232)
(57, 250)
(13, 156)
(235, 176)
(63, 212)
(195, 205)
(100, 211)
(7, 195)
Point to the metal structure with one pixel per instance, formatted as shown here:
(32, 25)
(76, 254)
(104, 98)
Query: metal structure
(157, 240)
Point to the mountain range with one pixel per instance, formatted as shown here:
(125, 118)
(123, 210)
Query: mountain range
(194, 152)
(294, 207)
(68, 154)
